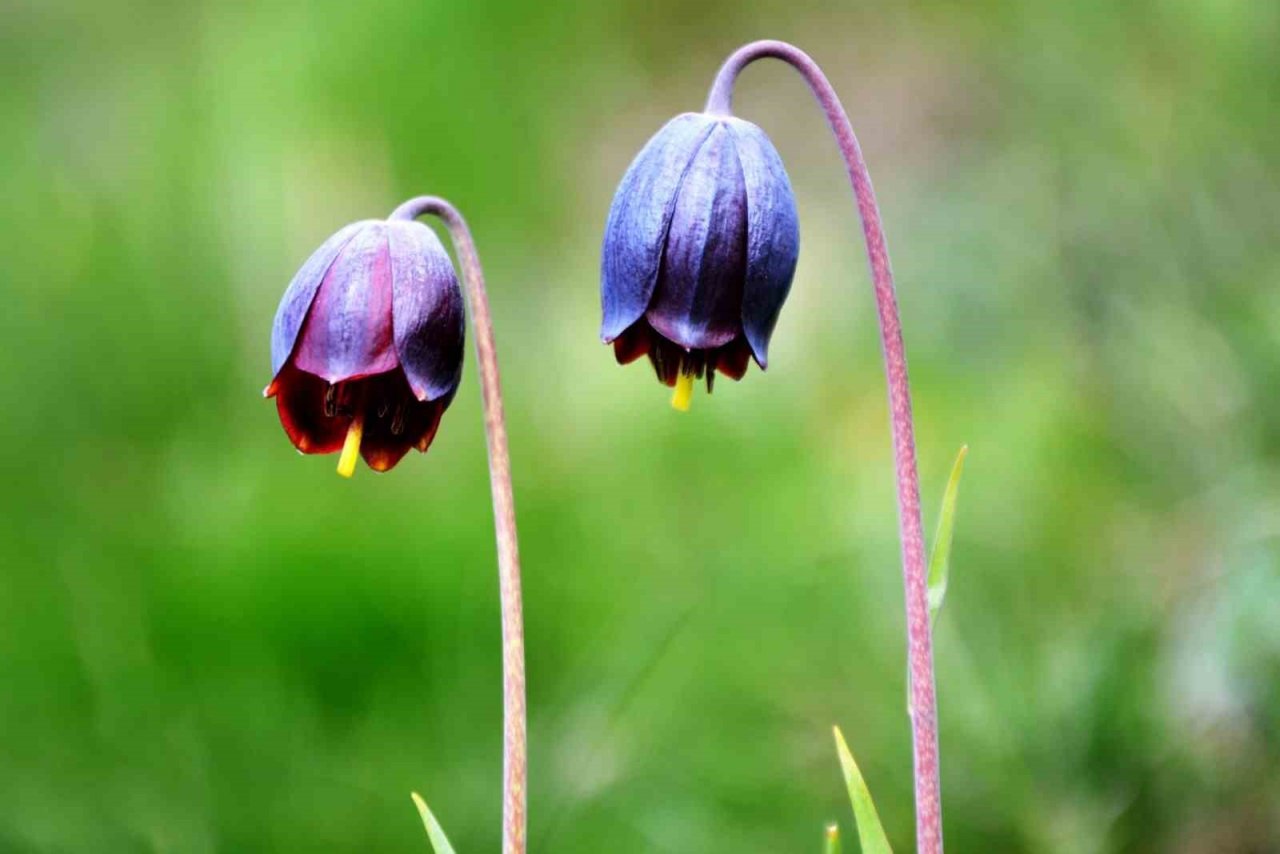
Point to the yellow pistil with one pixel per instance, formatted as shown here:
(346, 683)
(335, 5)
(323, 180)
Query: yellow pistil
(683, 394)
(351, 447)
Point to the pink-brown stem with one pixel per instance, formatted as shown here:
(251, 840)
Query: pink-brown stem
(514, 741)
(923, 706)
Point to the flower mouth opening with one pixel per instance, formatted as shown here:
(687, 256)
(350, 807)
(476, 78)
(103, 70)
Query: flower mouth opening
(677, 367)
(376, 417)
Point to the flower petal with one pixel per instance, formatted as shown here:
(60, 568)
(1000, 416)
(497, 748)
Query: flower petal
(773, 235)
(300, 402)
(382, 449)
(638, 219)
(634, 342)
(301, 291)
(395, 420)
(347, 333)
(428, 316)
(733, 358)
(697, 302)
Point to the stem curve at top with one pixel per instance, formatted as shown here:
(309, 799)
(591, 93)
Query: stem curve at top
(923, 706)
(515, 741)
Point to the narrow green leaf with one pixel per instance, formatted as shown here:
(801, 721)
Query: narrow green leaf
(439, 842)
(940, 559)
(832, 840)
(870, 832)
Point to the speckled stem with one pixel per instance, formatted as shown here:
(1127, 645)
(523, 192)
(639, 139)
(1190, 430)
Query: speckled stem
(504, 517)
(923, 708)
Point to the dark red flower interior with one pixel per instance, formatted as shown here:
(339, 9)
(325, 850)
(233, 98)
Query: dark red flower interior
(669, 359)
(317, 414)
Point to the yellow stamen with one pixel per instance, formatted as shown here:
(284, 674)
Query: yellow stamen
(684, 391)
(351, 447)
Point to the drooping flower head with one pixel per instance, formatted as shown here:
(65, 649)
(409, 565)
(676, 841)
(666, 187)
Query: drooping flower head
(366, 348)
(699, 251)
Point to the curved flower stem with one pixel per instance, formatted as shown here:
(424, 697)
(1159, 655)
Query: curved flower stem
(504, 516)
(923, 707)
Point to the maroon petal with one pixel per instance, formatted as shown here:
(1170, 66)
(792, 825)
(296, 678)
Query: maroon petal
(300, 401)
(428, 316)
(733, 359)
(698, 299)
(635, 342)
(348, 332)
(382, 448)
(395, 420)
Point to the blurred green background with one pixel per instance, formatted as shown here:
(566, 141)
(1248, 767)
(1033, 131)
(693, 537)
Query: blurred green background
(209, 643)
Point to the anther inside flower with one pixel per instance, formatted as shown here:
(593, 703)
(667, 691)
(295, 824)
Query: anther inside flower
(367, 345)
(699, 252)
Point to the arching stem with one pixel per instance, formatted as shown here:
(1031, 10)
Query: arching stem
(504, 516)
(923, 708)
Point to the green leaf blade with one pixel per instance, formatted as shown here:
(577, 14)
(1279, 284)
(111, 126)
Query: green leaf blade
(439, 842)
(871, 836)
(940, 558)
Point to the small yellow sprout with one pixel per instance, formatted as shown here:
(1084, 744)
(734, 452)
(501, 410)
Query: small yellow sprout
(351, 447)
(683, 394)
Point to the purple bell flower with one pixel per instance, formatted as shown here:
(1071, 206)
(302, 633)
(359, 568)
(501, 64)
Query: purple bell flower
(366, 348)
(699, 251)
